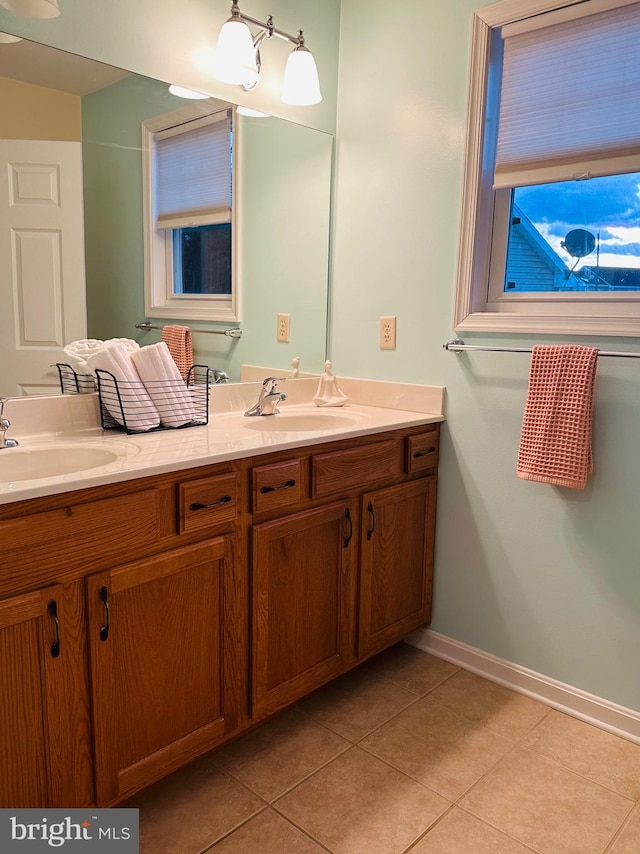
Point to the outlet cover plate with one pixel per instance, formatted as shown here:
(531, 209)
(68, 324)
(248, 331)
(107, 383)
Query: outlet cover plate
(387, 333)
(284, 328)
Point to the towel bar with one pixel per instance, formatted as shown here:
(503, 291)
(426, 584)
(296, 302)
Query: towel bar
(457, 346)
(230, 333)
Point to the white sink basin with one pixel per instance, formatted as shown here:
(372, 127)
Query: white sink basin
(300, 422)
(32, 463)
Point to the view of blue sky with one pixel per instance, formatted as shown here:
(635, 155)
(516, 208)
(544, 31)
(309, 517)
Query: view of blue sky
(607, 206)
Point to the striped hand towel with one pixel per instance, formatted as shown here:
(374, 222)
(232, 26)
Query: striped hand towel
(555, 443)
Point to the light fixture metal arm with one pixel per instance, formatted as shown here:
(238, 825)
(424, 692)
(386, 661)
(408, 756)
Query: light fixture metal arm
(269, 29)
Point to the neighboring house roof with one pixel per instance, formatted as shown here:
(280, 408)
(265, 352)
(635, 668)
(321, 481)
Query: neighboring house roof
(532, 264)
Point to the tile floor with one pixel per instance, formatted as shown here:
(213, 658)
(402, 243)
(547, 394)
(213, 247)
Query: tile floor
(408, 753)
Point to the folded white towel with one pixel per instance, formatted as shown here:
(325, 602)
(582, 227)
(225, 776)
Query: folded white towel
(162, 379)
(78, 352)
(126, 396)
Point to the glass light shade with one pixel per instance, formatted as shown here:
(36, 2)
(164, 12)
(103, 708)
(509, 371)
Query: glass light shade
(181, 92)
(235, 60)
(32, 8)
(301, 86)
(6, 38)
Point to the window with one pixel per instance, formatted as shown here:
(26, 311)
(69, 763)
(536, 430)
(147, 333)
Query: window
(550, 232)
(189, 223)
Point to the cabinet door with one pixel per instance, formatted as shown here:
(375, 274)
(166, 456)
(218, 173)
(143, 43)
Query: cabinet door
(303, 604)
(164, 663)
(45, 746)
(396, 555)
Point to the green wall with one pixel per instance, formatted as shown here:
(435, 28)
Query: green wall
(545, 577)
(112, 167)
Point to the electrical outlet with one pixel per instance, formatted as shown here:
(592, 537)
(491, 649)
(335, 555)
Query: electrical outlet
(387, 333)
(284, 328)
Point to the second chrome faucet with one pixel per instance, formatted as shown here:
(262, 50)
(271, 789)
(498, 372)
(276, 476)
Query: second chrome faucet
(269, 397)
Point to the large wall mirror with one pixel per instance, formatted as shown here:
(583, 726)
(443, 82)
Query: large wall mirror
(50, 97)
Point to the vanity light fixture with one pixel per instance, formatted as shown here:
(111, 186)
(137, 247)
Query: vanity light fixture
(237, 59)
(32, 8)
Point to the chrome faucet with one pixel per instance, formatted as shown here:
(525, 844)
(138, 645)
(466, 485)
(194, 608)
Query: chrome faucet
(269, 398)
(219, 376)
(4, 426)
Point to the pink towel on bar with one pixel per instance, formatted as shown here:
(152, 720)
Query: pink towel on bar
(178, 340)
(555, 444)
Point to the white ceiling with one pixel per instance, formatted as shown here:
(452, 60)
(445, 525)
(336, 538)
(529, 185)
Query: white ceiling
(55, 69)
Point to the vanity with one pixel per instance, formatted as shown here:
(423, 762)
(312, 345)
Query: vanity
(154, 607)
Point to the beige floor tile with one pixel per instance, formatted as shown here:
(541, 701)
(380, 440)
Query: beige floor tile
(438, 747)
(267, 833)
(501, 710)
(605, 758)
(191, 809)
(629, 840)
(461, 833)
(280, 753)
(546, 806)
(358, 703)
(411, 668)
(359, 805)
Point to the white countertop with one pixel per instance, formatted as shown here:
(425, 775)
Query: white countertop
(229, 434)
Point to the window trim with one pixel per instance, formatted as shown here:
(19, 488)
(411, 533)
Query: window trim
(158, 244)
(579, 314)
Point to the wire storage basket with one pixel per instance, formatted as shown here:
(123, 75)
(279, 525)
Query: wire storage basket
(134, 407)
(72, 382)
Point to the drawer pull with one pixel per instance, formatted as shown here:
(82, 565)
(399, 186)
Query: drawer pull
(104, 596)
(198, 506)
(372, 513)
(52, 608)
(347, 516)
(287, 485)
(426, 453)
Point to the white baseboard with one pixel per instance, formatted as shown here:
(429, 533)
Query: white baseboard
(587, 707)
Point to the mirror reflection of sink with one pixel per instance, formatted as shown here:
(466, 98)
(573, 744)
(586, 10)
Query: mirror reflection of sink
(32, 463)
(300, 422)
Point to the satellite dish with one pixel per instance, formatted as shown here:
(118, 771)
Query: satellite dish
(579, 242)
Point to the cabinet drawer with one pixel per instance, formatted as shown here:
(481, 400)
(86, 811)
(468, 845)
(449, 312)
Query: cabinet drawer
(78, 537)
(422, 451)
(278, 485)
(339, 471)
(208, 501)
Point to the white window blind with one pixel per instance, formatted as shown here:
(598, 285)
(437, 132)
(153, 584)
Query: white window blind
(569, 103)
(193, 173)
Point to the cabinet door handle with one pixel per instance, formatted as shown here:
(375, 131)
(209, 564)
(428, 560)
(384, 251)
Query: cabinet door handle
(426, 453)
(347, 516)
(372, 513)
(198, 506)
(286, 485)
(52, 608)
(104, 596)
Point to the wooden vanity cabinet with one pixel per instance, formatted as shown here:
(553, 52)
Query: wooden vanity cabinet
(150, 613)
(147, 622)
(336, 581)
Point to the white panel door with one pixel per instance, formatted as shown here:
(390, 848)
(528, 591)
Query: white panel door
(42, 273)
